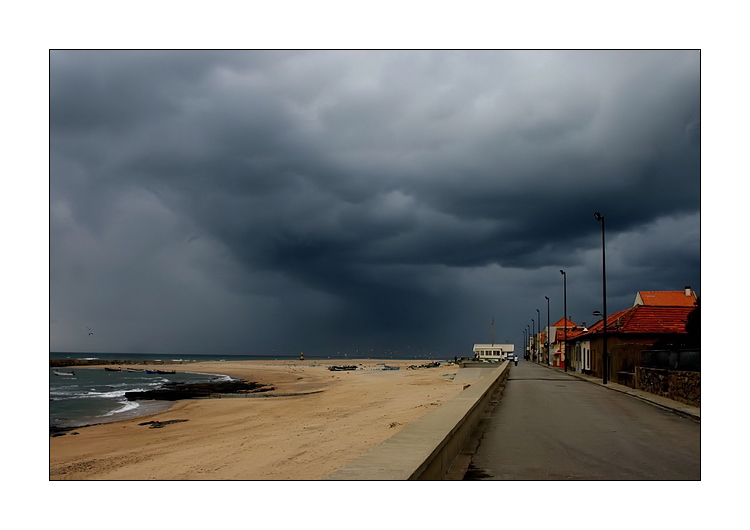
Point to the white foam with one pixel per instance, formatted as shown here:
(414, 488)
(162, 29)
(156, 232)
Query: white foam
(111, 393)
(126, 406)
(215, 377)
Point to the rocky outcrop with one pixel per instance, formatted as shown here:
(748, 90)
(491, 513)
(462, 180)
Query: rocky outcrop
(55, 431)
(160, 424)
(175, 391)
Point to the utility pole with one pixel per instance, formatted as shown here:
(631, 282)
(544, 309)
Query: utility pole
(547, 332)
(605, 355)
(565, 318)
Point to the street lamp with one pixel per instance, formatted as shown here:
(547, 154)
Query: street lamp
(547, 330)
(528, 339)
(565, 316)
(539, 332)
(605, 356)
(533, 334)
(524, 341)
(598, 314)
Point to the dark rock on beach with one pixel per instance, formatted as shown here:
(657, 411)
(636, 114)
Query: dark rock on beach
(55, 431)
(175, 390)
(160, 424)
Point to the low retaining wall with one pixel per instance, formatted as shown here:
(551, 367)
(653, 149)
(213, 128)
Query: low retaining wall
(426, 449)
(681, 386)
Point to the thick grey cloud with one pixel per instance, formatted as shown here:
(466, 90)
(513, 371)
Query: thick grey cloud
(243, 202)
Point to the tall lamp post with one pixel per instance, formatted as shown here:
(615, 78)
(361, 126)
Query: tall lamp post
(528, 339)
(524, 341)
(547, 297)
(539, 332)
(605, 355)
(565, 316)
(533, 334)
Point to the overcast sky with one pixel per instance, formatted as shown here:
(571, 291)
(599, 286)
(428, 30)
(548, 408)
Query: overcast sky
(278, 201)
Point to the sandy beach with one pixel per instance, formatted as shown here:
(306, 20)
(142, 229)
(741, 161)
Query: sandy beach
(335, 417)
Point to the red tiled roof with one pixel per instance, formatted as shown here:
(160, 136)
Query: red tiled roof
(564, 322)
(667, 298)
(573, 333)
(646, 319)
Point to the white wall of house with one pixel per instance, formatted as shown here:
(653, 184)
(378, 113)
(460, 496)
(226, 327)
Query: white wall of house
(493, 351)
(582, 355)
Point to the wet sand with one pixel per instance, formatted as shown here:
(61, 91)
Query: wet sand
(336, 417)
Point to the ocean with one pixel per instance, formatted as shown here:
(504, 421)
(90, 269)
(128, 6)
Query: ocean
(94, 395)
(364, 354)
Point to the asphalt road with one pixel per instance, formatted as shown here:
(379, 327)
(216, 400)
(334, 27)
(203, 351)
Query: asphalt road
(551, 426)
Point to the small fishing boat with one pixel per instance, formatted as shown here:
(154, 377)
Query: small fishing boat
(342, 368)
(56, 372)
(113, 369)
(133, 369)
(151, 371)
(166, 372)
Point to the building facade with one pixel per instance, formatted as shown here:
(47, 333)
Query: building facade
(629, 333)
(555, 355)
(496, 352)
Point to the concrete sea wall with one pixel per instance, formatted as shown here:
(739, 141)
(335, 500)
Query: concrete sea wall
(426, 449)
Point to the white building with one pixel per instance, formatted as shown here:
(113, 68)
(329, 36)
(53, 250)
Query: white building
(582, 358)
(493, 351)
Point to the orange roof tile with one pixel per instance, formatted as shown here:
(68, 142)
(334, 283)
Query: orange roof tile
(667, 298)
(645, 319)
(573, 333)
(564, 322)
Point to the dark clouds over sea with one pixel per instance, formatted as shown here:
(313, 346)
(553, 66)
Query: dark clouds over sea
(252, 201)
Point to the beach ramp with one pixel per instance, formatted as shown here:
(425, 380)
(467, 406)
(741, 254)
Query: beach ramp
(468, 375)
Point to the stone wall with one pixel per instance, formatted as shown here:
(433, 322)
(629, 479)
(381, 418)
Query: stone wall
(681, 386)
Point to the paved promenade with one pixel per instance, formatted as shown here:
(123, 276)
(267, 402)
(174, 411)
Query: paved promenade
(659, 401)
(553, 425)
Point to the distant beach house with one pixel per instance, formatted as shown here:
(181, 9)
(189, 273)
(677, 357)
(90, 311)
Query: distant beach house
(493, 351)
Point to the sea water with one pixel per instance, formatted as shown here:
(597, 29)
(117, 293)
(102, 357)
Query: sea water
(94, 395)
(182, 357)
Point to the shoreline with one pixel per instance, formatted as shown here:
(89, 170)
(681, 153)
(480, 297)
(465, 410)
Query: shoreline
(141, 409)
(318, 420)
(155, 408)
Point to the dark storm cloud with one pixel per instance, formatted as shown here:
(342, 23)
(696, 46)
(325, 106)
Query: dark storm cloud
(347, 199)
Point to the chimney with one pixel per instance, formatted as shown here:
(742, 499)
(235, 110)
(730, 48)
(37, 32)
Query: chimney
(688, 291)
